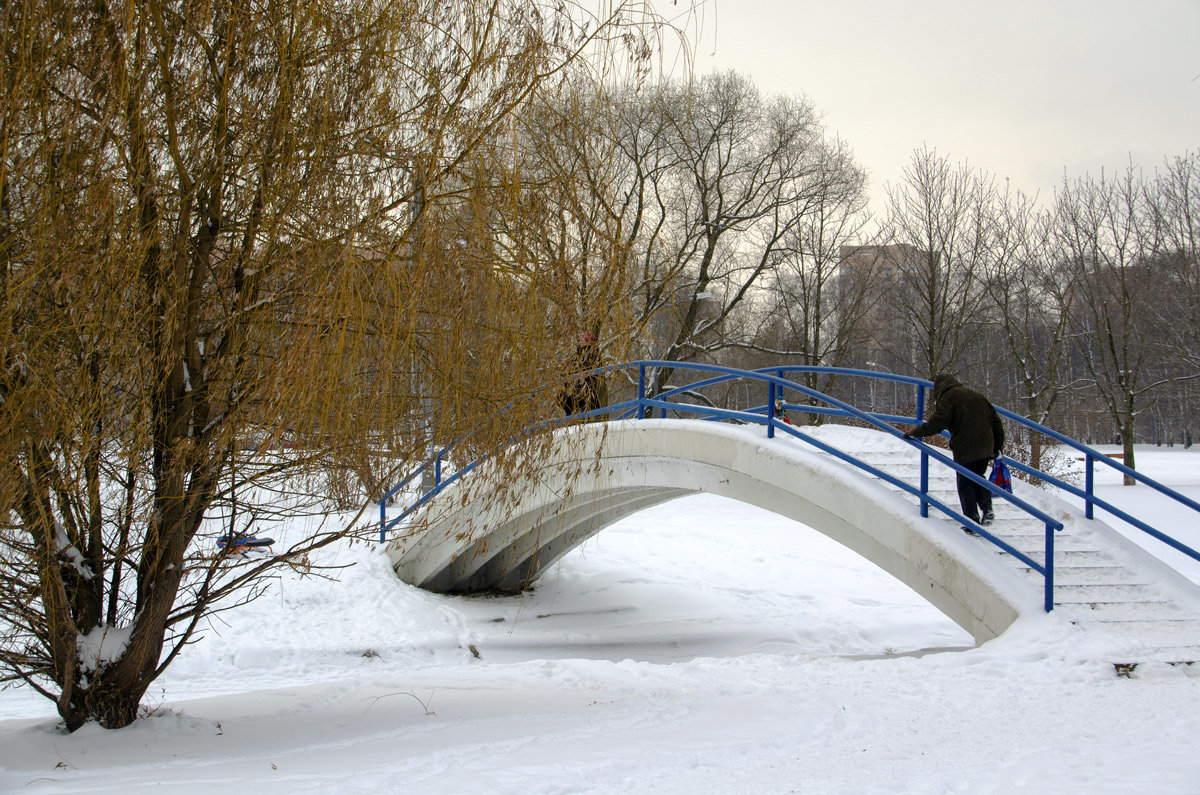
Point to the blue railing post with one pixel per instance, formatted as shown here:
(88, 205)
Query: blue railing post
(382, 520)
(924, 483)
(1088, 477)
(924, 456)
(1048, 564)
(641, 392)
(770, 409)
(437, 470)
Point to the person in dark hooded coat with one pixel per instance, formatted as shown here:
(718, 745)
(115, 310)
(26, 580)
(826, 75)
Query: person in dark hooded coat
(976, 437)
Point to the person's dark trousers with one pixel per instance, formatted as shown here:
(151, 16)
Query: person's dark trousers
(973, 497)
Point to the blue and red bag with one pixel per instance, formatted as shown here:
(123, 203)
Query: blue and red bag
(1000, 475)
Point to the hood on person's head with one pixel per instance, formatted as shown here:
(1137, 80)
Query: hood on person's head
(943, 382)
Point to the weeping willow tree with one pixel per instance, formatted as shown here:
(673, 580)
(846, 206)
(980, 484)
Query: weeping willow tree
(242, 248)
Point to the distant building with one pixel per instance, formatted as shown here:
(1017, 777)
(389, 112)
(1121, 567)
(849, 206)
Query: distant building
(882, 269)
(885, 263)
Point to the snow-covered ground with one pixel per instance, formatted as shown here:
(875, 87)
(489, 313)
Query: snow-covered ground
(701, 646)
(1176, 467)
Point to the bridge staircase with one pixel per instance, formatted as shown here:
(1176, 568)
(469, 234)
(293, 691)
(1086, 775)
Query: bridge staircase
(1102, 580)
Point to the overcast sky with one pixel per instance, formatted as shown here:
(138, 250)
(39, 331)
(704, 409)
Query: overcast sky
(1023, 89)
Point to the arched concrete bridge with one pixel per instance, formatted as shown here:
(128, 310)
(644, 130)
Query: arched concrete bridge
(495, 530)
(593, 475)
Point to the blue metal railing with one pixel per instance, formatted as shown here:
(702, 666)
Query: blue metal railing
(776, 383)
(1088, 493)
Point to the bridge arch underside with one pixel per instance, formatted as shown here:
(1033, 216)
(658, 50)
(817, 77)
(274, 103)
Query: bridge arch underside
(491, 534)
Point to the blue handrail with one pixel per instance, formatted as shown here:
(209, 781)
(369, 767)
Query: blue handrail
(772, 377)
(776, 382)
(1091, 501)
(1087, 494)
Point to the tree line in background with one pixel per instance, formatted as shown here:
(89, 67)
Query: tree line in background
(258, 258)
(740, 234)
(1083, 315)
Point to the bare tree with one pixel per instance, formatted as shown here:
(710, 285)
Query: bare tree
(678, 202)
(577, 200)
(942, 212)
(1027, 289)
(1106, 231)
(1176, 210)
(740, 172)
(815, 313)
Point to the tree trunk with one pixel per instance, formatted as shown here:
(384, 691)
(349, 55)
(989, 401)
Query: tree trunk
(1127, 448)
(110, 705)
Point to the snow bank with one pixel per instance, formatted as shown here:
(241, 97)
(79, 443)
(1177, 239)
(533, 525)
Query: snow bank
(701, 646)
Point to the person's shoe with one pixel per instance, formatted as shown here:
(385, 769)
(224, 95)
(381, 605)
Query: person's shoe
(988, 518)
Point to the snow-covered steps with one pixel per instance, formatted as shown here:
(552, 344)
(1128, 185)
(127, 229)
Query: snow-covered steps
(1102, 580)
